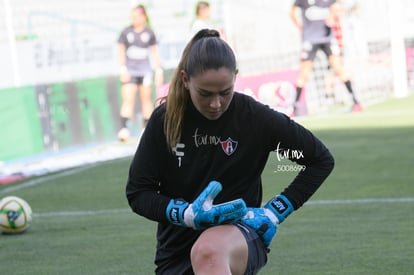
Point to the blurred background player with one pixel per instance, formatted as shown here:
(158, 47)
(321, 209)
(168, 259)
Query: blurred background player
(137, 43)
(203, 19)
(329, 79)
(318, 17)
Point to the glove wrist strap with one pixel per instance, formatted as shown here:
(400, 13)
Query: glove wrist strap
(280, 206)
(175, 211)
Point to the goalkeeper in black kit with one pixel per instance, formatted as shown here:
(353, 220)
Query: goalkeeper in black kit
(197, 169)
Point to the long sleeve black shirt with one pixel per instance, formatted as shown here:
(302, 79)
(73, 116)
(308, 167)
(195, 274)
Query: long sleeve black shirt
(232, 150)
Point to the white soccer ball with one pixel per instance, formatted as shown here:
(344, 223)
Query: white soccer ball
(15, 215)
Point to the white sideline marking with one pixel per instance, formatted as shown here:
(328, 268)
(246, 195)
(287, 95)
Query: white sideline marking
(310, 203)
(360, 201)
(82, 213)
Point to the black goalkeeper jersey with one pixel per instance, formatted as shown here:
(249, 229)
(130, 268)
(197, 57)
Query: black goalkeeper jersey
(232, 150)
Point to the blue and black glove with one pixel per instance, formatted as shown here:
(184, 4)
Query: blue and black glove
(266, 220)
(202, 213)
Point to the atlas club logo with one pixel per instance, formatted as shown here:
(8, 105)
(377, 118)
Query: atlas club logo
(229, 146)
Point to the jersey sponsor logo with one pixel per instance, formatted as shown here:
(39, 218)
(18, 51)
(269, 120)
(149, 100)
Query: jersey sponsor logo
(282, 153)
(145, 37)
(130, 37)
(229, 146)
(315, 13)
(200, 139)
(137, 53)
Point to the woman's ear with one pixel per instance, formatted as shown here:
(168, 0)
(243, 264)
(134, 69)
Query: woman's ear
(184, 78)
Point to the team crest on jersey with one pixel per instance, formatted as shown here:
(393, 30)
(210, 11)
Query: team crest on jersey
(229, 146)
(130, 37)
(145, 37)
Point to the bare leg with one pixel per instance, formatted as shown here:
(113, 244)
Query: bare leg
(337, 66)
(129, 92)
(220, 250)
(146, 101)
(305, 70)
(336, 63)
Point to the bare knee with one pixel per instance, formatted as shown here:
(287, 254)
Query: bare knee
(220, 250)
(207, 257)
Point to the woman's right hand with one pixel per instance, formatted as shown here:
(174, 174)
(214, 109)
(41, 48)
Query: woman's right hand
(125, 77)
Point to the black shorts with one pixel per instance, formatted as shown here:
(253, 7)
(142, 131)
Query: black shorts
(144, 80)
(257, 250)
(309, 50)
(256, 260)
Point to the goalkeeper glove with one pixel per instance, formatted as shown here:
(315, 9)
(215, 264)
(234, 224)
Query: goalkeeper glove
(266, 220)
(202, 214)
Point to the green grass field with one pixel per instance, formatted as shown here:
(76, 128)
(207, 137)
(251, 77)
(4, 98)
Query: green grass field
(361, 221)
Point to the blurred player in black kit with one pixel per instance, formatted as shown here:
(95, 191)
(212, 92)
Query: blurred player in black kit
(318, 17)
(206, 142)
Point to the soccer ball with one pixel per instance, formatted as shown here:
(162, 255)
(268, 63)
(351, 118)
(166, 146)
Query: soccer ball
(15, 215)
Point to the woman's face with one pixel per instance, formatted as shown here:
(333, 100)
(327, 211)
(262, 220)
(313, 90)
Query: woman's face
(138, 18)
(211, 91)
(205, 13)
